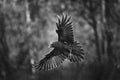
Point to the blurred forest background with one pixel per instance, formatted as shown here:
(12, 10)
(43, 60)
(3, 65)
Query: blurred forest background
(27, 27)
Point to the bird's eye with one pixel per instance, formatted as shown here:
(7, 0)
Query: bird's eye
(57, 31)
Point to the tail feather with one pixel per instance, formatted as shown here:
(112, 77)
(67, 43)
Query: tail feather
(74, 58)
(77, 54)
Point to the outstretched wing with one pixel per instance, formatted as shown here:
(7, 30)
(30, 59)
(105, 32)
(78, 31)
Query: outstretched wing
(77, 54)
(51, 61)
(65, 31)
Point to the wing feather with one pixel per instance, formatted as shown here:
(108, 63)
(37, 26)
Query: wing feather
(65, 31)
(51, 61)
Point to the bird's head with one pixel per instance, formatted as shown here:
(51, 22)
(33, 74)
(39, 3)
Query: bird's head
(54, 44)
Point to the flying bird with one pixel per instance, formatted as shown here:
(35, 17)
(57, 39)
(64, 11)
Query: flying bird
(64, 48)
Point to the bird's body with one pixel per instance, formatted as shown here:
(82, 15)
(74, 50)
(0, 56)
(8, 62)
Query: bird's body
(64, 48)
(72, 51)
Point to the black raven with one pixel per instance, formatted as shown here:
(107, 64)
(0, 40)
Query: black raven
(64, 48)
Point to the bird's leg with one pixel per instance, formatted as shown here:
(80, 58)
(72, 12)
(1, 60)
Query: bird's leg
(70, 54)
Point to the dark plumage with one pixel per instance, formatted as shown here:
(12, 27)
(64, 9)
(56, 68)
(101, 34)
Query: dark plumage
(64, 48)
(51, 60)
